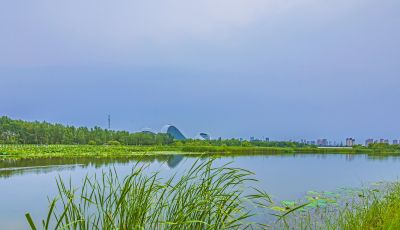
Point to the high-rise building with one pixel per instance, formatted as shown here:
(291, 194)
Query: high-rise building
(350, 142)
(395, 142)
(369, 141)
(267, 139)
(322, 142)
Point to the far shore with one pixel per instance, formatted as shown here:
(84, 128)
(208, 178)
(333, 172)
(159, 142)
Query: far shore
(43, 151)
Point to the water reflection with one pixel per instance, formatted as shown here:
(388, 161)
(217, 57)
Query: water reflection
(283, 176)
(13, 167)
(174, 160)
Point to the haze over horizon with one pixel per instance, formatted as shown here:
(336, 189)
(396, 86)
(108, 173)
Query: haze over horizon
(299, 69)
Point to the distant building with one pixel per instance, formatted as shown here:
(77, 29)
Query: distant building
(350, 142)
(203, 136)
(147, 130)
(395, 142)
(369, 141)
(173, 131)
(322, 142)
(252, 139)
(267, 139)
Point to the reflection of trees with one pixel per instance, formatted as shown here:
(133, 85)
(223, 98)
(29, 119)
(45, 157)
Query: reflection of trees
(10, 172)
(14, 167)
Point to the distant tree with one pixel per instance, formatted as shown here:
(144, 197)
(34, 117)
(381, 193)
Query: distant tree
(113, 143)
(92, 143)
(23, 132)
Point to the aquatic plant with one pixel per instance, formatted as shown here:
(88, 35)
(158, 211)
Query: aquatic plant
(376, 211)
(205, 197)
(373, 207)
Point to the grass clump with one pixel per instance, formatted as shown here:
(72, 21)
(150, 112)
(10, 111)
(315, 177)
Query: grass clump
(374, 212)
(370, 209)
(205, 197)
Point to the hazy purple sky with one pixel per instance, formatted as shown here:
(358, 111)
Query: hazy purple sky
(284, 69)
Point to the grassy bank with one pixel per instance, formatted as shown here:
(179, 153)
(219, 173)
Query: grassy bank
(43, 151)
(374, 212)
(366, 209)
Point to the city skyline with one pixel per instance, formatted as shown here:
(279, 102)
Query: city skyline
(321, 141)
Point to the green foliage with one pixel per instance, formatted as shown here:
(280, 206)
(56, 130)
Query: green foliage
(65, 151)
(113, 143)
(22, 132)
(205, 197)
(17, 132)
(384, 147)
(237, 150)
(373, 213)
(375, 208)
(244, 143)
(92, 143)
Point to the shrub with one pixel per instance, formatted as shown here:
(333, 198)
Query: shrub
(113, 143)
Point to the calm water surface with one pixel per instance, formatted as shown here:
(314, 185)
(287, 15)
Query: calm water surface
(26, 185)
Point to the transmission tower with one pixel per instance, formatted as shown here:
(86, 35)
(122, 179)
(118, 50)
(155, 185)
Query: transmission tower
(109, 122)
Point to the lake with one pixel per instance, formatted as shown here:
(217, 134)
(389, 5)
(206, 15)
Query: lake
(26, 185)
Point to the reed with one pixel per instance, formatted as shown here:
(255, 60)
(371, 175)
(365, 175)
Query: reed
(376, 211)
(369, 210)
(205, 197)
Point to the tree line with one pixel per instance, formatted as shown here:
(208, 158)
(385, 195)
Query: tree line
(241, 143)
(45, 133)
(23, 132)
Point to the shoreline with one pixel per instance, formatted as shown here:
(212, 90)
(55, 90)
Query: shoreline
(107, 151)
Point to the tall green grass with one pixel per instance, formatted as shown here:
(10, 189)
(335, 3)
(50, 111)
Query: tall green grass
(374, 212)
(205, 197)
(370, 210)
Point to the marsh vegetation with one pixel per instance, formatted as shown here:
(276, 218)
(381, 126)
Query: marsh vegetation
(205, 197)
(210, 197)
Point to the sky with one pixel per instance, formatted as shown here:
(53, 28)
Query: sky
(283, 69)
